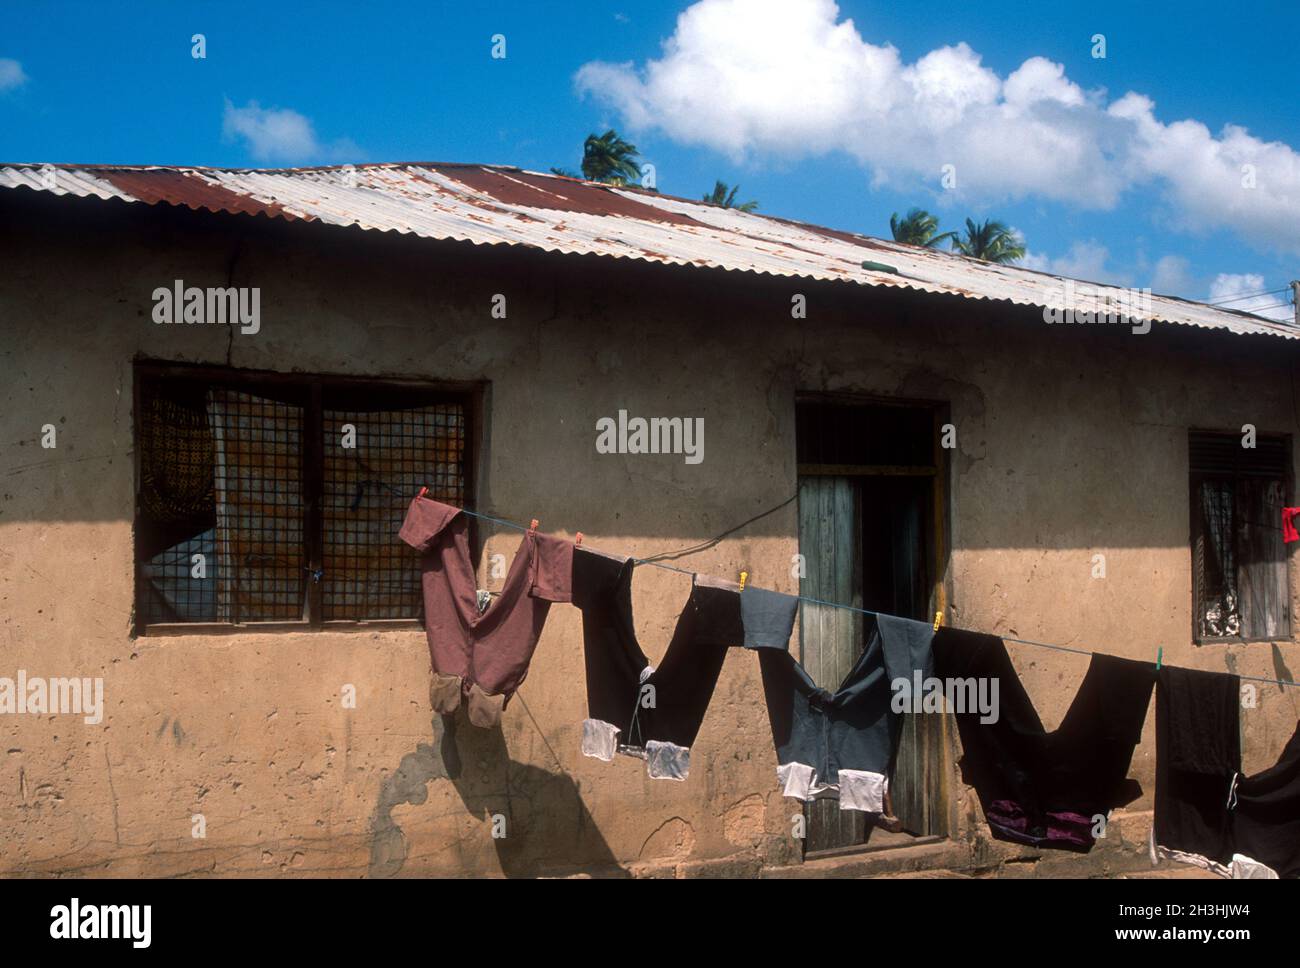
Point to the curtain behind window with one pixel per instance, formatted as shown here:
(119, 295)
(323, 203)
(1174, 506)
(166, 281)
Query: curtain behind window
(257, 483)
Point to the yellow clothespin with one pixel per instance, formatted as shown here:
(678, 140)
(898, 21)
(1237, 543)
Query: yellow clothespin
(938, 620)
(743, 576)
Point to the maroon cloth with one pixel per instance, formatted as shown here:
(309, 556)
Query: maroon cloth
(1063, 828)
(491, 651)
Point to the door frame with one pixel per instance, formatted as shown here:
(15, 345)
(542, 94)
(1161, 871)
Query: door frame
(939, 470)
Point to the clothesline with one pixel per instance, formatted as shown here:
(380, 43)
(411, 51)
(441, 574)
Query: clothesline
(850, 608)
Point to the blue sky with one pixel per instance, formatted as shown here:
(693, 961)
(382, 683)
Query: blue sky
(836, 114)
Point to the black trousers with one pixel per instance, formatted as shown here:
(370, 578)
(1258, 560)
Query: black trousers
(1040, 788)
(682, 685)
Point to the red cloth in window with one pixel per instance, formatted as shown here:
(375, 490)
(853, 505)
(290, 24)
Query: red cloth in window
(1289, 533)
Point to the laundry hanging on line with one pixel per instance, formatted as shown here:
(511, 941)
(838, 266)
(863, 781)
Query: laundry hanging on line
(1198, 752)
(1047, 782)
(481, 657)
(837, 745)
(633, 707)
(1039, 788)
(654, 562)
(1206, 812)
(1266, 816)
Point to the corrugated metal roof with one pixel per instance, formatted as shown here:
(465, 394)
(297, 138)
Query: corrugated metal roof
(500, 205)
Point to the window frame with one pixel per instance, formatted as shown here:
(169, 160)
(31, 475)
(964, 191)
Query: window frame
(1194, 479)
(313, 385)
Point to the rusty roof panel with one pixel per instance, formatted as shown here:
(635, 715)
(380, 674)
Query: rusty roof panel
(190, 189)
(501, 205)
(561, 194)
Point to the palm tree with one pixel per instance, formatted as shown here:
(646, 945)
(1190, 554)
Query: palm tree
(992, 242)
(565, 172)
(918, 227)
(727, 199)
(608, 158)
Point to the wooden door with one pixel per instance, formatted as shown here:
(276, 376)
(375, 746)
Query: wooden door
(830, 639)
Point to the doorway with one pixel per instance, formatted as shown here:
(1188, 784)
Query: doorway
(872, 534)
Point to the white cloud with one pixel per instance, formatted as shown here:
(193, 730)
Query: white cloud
(1232, 181)
(280, 134)
(1234, 287)
(1171, 275)
(11, 75)
(1088, 261)
(789, 79)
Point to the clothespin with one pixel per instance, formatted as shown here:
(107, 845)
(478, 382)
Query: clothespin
(423, 491)
(578, 540)
(938, 620)
(743, 576)
(1160, 655)
(533, 526)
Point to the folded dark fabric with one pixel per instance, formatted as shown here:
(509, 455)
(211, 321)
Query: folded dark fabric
(768, 618)
(633, 707)
(1040, 788)
(1266, 815)
(1198, 755)
(838, 744)
(1205, 809)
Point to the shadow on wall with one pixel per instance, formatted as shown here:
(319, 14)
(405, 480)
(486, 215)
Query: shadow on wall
(547, 824)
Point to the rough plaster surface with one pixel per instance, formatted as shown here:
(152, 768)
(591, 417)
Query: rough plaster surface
(1071, 442)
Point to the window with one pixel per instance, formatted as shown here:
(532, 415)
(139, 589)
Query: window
(1240, 591)
(276, 499)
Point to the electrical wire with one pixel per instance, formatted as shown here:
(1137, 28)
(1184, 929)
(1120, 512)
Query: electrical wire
(814, 601)
(1250, 295)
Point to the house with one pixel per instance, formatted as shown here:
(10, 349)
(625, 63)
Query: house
(223, 387)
